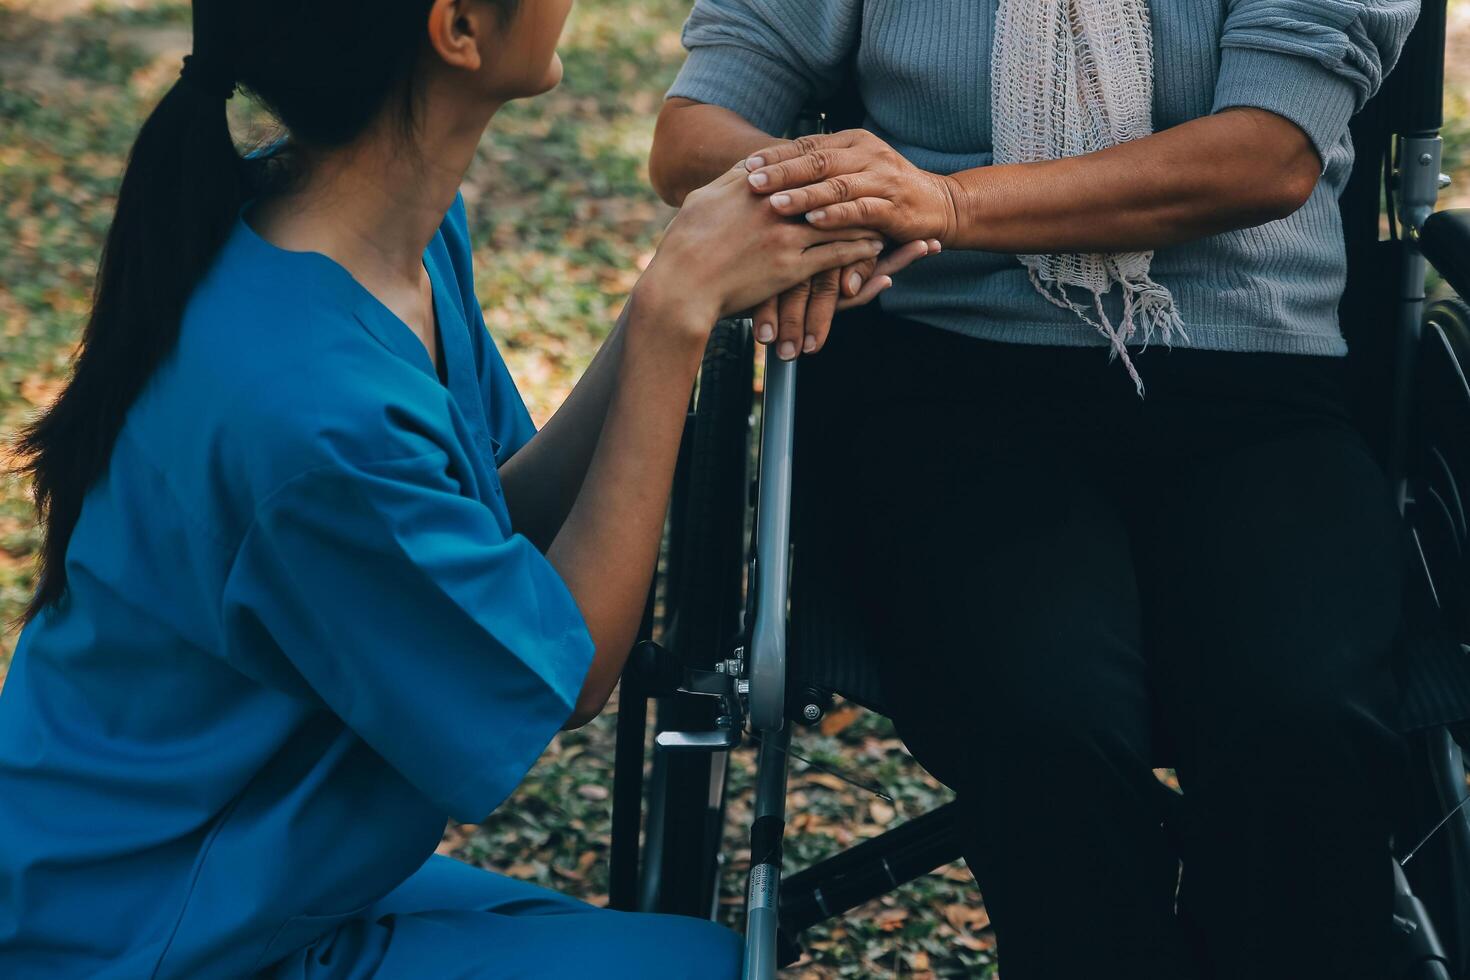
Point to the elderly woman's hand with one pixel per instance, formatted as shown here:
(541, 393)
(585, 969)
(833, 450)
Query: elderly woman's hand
(853, 179)
(799, 320)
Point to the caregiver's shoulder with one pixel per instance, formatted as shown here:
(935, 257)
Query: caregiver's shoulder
(286, 376)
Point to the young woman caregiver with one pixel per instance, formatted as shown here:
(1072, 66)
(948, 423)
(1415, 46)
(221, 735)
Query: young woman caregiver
(1069, 584)
(312, 582)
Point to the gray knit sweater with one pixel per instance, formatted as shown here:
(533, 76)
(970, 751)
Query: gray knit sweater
(924, 71)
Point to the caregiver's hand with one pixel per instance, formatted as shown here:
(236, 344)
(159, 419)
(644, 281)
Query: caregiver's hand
(853, 179)
(727, 250)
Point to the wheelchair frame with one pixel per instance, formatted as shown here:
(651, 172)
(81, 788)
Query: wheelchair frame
(710, 695)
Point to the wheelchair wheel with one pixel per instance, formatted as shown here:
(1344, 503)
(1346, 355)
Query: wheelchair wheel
(703, 587)
(1439, 504)
(1440, 871)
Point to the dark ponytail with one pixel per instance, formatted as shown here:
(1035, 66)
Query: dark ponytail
(326, 69)
(182, 188)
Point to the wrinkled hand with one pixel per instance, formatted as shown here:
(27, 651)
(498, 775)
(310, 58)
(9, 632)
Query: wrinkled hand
(800, 319)
(853, 179)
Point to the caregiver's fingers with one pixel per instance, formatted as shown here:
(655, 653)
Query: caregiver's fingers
(821, 236)
(791, 320)
(736, 173)
(834, 190)
(820, 308)
(835, 255)
(764, 319)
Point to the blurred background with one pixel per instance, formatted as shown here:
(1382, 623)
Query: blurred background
(563, 220)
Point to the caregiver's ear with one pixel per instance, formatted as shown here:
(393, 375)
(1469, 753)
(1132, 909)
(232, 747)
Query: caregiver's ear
(458, 28)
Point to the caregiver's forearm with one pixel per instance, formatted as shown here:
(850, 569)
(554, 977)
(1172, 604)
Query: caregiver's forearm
(542, 480)
(608, 546)
(694, 143)
(1236, 169)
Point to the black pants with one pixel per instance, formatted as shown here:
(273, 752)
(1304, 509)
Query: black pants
(1072, 586)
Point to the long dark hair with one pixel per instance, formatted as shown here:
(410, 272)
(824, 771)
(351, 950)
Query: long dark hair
(326, 69)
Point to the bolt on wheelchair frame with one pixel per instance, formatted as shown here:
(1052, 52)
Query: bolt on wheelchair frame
(741, 676)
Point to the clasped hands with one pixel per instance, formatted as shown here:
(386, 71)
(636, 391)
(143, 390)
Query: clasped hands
(850, 179)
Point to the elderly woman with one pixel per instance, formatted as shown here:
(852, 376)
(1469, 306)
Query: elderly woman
(1085, 557)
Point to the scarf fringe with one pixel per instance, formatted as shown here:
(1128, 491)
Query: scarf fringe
(1070, 77)
(1144, 301)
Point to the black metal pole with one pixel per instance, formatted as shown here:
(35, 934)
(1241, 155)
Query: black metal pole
(1419, 101)
(628, 755)
(1418, 80)
(873, 868)
(627, 808)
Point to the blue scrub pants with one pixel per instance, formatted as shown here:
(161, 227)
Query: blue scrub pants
(451, 921)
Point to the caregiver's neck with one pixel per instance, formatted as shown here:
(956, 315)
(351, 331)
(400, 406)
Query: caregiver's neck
(375, 205)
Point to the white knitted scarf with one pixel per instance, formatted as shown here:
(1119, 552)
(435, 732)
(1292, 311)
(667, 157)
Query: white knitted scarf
(1070, 77)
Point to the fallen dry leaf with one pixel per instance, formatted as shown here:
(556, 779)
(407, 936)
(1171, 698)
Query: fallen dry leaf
(964, 917)
(891, 919)
(975, 944)
(837, 721)
(825, 779)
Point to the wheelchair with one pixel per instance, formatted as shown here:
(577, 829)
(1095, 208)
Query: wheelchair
(752, 642)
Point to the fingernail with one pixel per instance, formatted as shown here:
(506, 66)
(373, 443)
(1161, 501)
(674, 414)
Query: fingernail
(787, 350)
(887, 281)
(936, 246)
(758, 180)
(876, 246)
(854, 283)
(816, 215)
(781, 200)
(765, 333)
(755, 163)
(809, 344)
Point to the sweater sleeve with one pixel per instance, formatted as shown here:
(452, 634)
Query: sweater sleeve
(1315, 62)
(765, 59)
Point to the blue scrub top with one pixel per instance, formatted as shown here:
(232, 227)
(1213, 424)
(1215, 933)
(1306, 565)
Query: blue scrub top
(300, 633)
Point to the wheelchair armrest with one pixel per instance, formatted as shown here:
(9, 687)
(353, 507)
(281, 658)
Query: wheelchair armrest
(1445, 241)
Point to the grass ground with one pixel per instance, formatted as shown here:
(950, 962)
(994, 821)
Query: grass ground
(563, 220)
